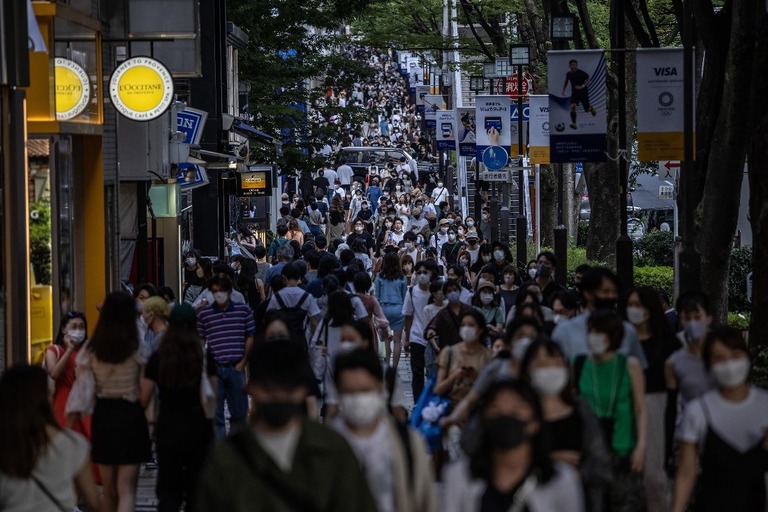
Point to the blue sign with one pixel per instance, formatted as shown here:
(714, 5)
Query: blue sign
(513, 112)
(191, 121)
(191, 176)
(495, 157)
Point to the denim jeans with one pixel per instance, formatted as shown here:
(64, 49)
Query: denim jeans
(417, 370)
(231, 388)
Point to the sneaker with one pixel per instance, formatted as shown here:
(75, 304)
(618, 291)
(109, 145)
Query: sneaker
(573, 125)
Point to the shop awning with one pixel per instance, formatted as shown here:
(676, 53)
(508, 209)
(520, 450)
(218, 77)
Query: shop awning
(249, 131)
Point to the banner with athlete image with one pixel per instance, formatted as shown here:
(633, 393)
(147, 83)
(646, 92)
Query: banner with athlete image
(432, 104)
(466, 131)
(492, 114)
(660, 114)
(421, 94)
(538, 121)
(415, 73)
(577, 106)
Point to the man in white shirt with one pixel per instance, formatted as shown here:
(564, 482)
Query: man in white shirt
(440, 194)
(345, 174)
(416, 299)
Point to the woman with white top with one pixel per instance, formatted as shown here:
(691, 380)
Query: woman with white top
(725, 434)
(42, 465)
(510, 468)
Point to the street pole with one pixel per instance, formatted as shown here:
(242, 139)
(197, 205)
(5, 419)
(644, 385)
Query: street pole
(689, 262)
(561, 233)
(624, 263)
(521, 227)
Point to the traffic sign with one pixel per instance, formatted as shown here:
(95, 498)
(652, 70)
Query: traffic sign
(512, 84)
(513, 112)
(495, 157)
(494, 176)
(668, 170)
(666, 192)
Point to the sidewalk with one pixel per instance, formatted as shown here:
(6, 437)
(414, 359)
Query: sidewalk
(145, 494)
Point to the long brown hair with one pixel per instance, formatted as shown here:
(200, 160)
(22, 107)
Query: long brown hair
(116, 337)
(26, 412)
(180, 357)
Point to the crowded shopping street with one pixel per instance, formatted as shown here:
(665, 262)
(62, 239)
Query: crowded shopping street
(385, 318)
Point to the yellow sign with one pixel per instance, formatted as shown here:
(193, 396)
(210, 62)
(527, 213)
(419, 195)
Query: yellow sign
(73, 89)
(141, 89)
(254, 180)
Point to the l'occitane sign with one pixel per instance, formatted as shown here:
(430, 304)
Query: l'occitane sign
(141, 88)
(73, 89)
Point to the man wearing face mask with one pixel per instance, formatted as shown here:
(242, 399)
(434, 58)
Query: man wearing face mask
(227, 328)
(440, 193)
(283, 461)
(154, 315)
(600, 289)
(416, 299)
(440, 237)
(393, 457)
(450, 250)
(546, 264)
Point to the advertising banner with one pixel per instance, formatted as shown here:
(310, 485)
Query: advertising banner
(432, 104)
(538, 151)
(446, 129)
(466, 131)
(415, 73)
(493, 134)
(577, 109)
(660, 114)
(421, 94)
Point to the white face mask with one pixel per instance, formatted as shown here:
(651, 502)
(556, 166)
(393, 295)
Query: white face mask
(409, 246)
(635, 315)
(731, 373)
(422, 278)
(520, 347)
(550, 380)
(451, 237)
(470, 223)
(695, 329)
(347, 346)
(221, 298)
(486, 298)
(532, 273)
(76, 335)
(499, 255)
(191, 261)
(597, 342)
(358, 229)
(467, 332)
(361, 409)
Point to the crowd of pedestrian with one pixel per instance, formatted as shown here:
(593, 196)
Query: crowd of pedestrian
(529, 396)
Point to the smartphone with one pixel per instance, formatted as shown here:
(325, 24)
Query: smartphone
(493, 122)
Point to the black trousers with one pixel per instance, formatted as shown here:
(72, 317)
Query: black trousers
(417, 370)
(180, 459)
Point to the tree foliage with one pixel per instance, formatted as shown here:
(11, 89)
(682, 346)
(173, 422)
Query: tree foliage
(292, 58)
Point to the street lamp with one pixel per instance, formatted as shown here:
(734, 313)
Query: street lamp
(520, 55)
(476, 84)
(489, 72)
(561, 29)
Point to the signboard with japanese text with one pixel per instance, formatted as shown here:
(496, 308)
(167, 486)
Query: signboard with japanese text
(445, 121)
(577, 108)
(492, 114)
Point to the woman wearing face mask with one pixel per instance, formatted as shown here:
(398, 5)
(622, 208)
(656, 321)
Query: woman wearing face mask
(508, 289)
(725, 434)
(488, 303)
(396, 235)
(484, 258)
(406, 264)
(60, 366)
(613, 385)
(501, 258)
(565, 306)
(450, 250)
(510, 467)
(644, 311)
(194, 277)
(573, 429)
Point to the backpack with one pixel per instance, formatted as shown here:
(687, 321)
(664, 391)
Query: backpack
(294, 317)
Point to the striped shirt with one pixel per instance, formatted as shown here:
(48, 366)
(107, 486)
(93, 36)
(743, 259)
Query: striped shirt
(225, 331)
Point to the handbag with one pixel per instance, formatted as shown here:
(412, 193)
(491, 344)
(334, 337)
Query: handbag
(429, 410)
(318, 359)
(82, 397)
(207, 393)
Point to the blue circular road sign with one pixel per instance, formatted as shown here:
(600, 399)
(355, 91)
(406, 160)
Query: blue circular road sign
(495, 157)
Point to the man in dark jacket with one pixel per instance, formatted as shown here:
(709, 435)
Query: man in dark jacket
(283, 461)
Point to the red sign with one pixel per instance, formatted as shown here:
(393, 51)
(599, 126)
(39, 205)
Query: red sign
(512, 84)
(670, 164)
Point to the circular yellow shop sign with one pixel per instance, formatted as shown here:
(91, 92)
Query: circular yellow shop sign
(73, 89)
(141, 88)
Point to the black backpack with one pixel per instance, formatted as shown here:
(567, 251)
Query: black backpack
(294, 317)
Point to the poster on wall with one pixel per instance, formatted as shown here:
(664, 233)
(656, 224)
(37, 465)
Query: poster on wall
(432, 104)
(538, 151)
(415, 73)
(660, 114)
(577, 108)
(494, 138)
(466, 131)
(421, 93)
